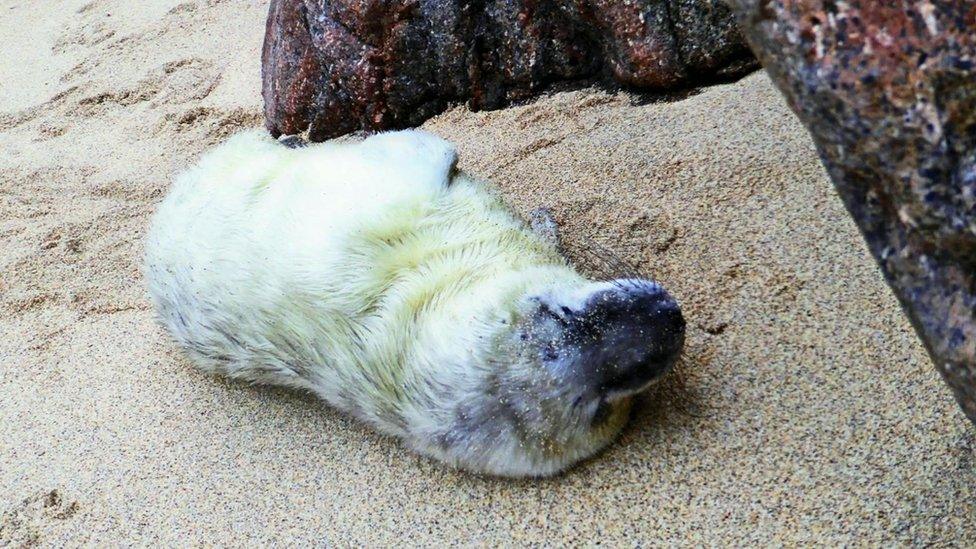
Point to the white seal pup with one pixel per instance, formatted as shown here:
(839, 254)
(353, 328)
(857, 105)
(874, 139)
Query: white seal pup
(407, 294)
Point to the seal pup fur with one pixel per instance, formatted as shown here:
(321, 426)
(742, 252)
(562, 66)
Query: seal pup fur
(405, 293)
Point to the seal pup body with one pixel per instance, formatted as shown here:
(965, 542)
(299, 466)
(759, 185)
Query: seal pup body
(406, 294)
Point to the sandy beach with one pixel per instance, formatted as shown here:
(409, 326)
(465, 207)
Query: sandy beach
(820, 417)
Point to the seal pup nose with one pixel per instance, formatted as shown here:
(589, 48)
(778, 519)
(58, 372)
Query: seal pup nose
(671, 326)
(636, 334)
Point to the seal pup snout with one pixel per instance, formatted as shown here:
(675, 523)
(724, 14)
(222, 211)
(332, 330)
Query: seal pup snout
(636, 332)
(617, 338)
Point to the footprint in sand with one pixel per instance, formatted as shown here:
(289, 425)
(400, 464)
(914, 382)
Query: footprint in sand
(86, 8)
(50, 131)
(185, 80)
(172, 83)
(89, 34)
(185, 7)
(66, 237)
(15, 301)
(22, 525)
(55, 105)
(210, 125)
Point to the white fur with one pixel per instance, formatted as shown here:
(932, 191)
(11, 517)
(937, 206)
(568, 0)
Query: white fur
(369, 274)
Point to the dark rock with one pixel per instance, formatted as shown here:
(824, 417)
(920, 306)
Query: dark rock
(888, 92)
(334, 66)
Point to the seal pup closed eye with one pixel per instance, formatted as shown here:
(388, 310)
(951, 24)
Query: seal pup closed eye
(406, 294)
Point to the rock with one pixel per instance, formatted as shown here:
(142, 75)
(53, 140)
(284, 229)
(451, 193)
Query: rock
(888, 92)
(335, 66)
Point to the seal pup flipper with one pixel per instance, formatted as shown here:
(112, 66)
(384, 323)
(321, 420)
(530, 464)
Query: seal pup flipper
(417, 156)
(543, 224)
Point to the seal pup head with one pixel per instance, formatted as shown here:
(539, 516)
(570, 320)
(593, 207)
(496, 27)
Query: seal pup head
(573, 359)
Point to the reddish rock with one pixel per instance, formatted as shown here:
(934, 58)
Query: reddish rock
(888, 92)
(334, 66)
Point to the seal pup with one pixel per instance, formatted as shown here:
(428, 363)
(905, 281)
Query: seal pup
(407, 294)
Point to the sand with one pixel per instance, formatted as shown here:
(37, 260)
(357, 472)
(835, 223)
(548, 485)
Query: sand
(821, 418)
